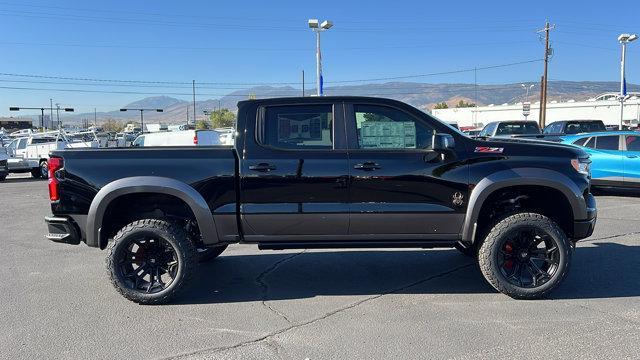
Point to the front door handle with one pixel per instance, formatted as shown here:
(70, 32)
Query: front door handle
(367, 166)
(262, 167)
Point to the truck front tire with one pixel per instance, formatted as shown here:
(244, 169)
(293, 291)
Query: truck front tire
(525, 256)
(149, 261)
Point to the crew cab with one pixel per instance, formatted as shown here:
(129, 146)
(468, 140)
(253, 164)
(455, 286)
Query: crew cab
(326, 172)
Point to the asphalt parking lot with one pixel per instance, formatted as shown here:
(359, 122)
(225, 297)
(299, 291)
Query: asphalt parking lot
(56, 301)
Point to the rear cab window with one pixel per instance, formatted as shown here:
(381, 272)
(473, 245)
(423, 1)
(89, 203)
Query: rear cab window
(302, 127)
(517, 129)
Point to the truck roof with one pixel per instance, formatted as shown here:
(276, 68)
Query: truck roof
(319, 99)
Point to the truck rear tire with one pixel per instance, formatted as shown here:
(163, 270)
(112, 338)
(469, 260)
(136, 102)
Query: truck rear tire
(149, 261)
(525, 256)
(208, 254)
(44, 169)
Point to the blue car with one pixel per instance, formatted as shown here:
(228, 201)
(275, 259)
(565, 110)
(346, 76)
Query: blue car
(615, 157)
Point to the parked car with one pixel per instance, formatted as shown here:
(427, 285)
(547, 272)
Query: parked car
(615, 157)
(568, 127)
(326, 172)
(179, 138)
(4, 167)
(30, 154)
(510, 128)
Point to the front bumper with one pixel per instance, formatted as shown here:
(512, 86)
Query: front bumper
(584, 228)
(62, 230)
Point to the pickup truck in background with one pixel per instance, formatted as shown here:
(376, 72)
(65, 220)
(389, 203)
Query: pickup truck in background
(512, 128)
(571, 127)
(326, 172)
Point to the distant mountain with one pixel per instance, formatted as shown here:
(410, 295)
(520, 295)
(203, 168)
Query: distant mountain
(421, 95)
(156, 102)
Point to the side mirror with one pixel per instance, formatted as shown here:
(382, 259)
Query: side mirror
(443, 142)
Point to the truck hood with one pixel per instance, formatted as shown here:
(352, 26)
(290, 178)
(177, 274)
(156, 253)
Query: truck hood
(532, 147)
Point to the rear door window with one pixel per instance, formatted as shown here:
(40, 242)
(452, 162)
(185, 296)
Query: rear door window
(609, 142)
(591, 143)
(298, 127)
(633, 142)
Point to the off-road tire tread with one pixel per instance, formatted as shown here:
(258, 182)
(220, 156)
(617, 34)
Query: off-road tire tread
(179, 236)
(486, 253)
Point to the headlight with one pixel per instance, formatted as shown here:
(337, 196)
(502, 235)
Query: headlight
(583, 166)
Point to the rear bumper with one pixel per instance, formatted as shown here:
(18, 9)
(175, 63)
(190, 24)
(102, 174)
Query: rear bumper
(62, 230)
(584, 228)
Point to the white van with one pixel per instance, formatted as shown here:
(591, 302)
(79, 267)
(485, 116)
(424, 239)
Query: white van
(179, 138)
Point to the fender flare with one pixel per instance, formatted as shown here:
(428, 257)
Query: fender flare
(515, 177)
(148, 184)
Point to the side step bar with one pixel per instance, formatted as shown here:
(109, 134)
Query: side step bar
(419, 244)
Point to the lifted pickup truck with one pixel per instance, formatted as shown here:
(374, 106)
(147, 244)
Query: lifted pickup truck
(326, 172)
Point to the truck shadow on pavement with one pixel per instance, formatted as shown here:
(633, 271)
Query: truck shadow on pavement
(599, 270)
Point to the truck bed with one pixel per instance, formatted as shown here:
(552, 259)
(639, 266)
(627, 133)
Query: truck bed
(206, 169)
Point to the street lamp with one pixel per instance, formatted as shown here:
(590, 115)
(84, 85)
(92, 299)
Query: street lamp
(318, 27)
(527, 88)
(42, 109)
(141, 116)
(624, 39)
(526, 105)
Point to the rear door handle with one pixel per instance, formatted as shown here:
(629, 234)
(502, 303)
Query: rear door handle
(367, 166)
(632, 156)
(262, 167)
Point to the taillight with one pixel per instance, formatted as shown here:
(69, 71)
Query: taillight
(195, 139)
(54, 164)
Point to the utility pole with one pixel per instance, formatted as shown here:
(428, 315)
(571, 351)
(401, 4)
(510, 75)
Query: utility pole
(58, 115)
(194, 101)
(95, 117)
(543, 83)
(302, 83)
(50, 110)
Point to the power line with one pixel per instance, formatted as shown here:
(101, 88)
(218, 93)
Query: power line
(272, 83)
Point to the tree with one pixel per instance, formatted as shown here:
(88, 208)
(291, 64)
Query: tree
(112, 125)
(463, 104)
(202, 125)
(222, 118)
(442, 105)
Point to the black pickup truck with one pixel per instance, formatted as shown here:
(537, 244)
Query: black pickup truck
(326, 172)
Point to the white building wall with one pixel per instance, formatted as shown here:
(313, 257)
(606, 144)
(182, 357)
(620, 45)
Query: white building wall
(605, 110)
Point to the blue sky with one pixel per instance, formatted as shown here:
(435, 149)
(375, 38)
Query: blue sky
(233, 42)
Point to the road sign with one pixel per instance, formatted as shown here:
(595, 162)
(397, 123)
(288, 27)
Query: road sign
(526, 108)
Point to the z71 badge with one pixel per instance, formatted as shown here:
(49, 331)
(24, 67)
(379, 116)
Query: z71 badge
(486, 149)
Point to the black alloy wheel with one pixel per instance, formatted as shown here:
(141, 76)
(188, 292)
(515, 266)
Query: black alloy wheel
(149, 261)
(525, 255)
(147, 265)
(528, 258)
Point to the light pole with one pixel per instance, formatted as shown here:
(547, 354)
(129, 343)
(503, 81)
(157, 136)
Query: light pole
(141, 116)
(624, 39)
(526, 105)
(527, 88)
(318, 27)
(42, 109)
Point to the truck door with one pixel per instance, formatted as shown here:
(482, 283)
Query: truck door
(399, 186)
(294, 174)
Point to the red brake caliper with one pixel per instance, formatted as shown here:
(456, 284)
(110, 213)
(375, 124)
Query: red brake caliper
(508, 264)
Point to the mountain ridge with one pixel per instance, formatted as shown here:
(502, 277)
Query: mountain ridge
(421, 95)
